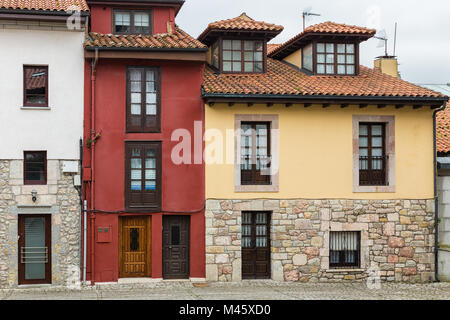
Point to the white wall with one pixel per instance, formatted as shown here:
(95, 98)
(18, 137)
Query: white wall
(59, 129)
(444, 227)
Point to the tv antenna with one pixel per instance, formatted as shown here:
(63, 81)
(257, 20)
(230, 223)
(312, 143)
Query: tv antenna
(383, 41)
(307, 13)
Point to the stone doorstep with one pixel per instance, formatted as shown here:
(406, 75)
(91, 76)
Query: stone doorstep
(151, 280)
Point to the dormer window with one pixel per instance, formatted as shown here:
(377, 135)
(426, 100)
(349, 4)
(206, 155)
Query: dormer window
(242, 56)
(131, 22)
(330, 58)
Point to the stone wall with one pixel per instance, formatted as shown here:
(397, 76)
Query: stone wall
(58, 198)
(397, 238)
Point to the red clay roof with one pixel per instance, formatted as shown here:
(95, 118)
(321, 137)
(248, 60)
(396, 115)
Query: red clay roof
(241, 23)
(443, 130)
(47, 5)
(271, 47)
(177, 40)
(327, 28)
(282, 79)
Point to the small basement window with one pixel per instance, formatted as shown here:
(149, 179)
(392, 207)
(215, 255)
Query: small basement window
(35, 167)
(345, 248)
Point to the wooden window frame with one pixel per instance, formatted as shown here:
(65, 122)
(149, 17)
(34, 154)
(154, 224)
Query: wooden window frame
(256, 177)
(342, 264)
(264, 53)
(371, 181)
(48, 242)
(150, 207)
(34, 182)
(38, 105)
(142, 128)
(390, 186)
(336, 64)
(274, 152)
(132, 26)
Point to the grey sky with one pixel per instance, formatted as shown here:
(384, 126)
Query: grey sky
(423, 37)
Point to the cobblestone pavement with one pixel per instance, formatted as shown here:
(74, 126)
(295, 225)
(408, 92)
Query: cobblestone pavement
(247, 290)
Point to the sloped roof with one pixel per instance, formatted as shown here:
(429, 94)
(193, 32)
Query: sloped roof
(44, 5)
(176, 40)
(242, 23)
(442, 119)
(271, 47)
(282, 79)
(328, 28)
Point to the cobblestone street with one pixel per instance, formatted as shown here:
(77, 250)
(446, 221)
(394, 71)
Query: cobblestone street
(247, 290)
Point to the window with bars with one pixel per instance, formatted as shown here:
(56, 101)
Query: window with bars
(345, 248)
(255, 153)
(143, 175)
(143, 99)
(35, 167)
(336, 58)
(372, 154)
(242, 56)
(132, 22)
(35, 82)
(255, 230)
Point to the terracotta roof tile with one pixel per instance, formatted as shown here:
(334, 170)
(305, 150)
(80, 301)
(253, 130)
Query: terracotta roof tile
(327, 27)
(282, 79)
(241, 23)
(443, 130)
(177, 40)
(271, 47)
(47, 5)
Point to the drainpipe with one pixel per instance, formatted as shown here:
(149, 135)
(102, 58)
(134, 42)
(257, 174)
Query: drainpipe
(92, 216)
(436, 199)
(84, 240)
(81, 198)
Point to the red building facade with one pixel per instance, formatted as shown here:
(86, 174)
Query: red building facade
(144, 212)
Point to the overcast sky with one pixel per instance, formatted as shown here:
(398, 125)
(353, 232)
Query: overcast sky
(423, 36)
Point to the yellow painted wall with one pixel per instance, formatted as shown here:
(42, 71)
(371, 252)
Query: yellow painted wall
(316, 153)
(295, 58)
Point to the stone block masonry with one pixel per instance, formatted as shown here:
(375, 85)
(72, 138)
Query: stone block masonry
(397, 238)
(58, 198)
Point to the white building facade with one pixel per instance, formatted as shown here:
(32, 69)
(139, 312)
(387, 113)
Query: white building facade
(41, 124)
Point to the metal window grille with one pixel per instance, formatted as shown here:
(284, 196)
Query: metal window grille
(345, 248)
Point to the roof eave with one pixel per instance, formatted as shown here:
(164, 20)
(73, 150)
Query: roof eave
(434, 102)
(90, 48)
(84, 13)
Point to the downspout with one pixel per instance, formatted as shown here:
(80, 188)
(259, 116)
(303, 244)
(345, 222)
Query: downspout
(81, 201)
(436, 199)
(92, 133)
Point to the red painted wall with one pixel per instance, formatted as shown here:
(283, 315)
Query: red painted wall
(183, 188)
(101, 19)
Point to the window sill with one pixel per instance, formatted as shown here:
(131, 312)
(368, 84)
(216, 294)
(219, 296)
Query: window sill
(344, 270)
(256, 188)
(35, 108)
(374, 189)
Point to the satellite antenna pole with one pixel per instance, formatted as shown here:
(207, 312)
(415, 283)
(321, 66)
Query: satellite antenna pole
(306, 14)
(395, 38)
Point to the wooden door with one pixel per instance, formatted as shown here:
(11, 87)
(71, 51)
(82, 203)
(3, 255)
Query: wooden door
(35, 249)
(135, 247)
(256, 245)
(176, 247)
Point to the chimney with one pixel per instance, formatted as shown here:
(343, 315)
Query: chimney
(387, 65)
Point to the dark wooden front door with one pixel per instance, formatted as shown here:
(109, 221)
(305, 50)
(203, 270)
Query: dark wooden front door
(35, 249)
(256, 245)
(176, 247)
(135, 244)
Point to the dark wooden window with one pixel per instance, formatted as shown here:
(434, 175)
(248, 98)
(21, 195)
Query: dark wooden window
(255, 153)
(35, 167)
(336, 58)
(372, 154)
(143, 99)
(256, 245)
(132, 22)
(243, 56)
(35, 83)
(143, 176)
(345, 248)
